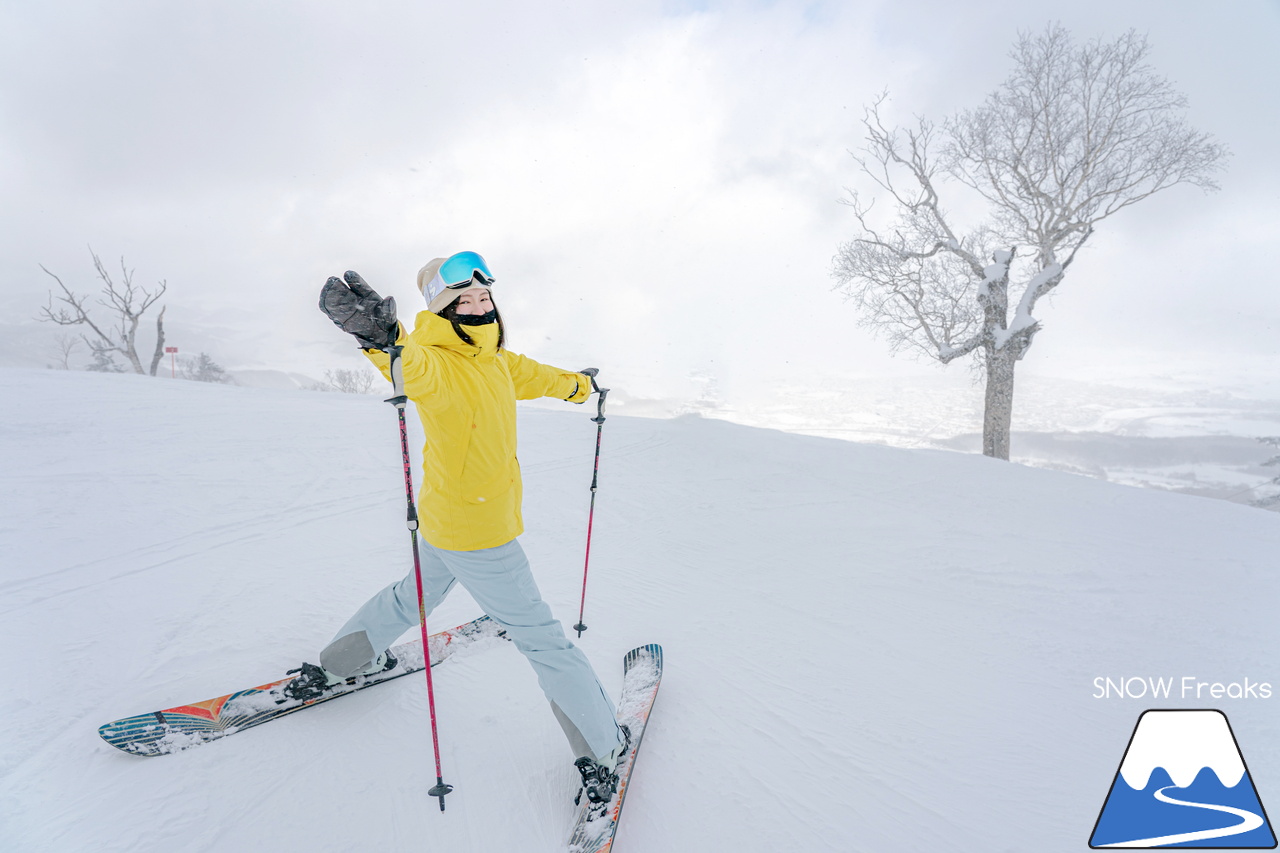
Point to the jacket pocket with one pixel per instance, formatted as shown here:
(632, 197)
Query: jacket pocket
(480, 491)
(486, 476)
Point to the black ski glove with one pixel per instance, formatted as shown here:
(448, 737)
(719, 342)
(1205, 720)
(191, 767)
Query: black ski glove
(591, 373)
(358, 310)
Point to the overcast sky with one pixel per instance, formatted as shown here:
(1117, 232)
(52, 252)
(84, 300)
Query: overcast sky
(655, 184)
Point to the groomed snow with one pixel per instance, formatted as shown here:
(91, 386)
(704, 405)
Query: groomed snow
(867, 648)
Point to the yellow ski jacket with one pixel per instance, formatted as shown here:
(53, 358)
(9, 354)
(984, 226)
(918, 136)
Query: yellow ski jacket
(466, 399)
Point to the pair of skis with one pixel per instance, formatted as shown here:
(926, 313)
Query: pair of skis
(185, 726)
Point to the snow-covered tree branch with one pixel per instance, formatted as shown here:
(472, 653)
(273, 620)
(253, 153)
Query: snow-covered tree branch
(1073, 136)
(125, 302)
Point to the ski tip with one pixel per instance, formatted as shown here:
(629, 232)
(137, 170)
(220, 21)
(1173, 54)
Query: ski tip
(652, 651)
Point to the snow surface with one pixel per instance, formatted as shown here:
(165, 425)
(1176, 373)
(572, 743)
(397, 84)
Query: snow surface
(867, 648)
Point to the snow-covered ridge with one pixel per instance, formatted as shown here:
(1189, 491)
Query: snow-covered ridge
(1183, 743)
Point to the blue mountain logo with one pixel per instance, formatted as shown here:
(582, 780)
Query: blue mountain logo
(1183, 783)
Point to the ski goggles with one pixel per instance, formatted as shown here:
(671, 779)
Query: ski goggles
(458, 271)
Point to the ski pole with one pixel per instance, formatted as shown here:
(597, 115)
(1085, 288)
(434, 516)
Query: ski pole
(399, 401)
(598, 420)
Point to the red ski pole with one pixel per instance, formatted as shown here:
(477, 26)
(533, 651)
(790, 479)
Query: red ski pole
(598, 420)
(399, 401)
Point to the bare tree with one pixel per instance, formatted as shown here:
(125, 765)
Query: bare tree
(1073, 136)
(348, 381)
(127, 302)
(65, 345)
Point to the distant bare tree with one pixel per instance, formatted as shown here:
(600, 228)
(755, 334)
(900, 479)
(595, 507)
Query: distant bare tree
(1073, 136)
(127, 302)
(64, 345)
(348, 381)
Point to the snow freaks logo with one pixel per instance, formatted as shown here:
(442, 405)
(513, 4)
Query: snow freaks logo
(1183, 783)
(1187, 687)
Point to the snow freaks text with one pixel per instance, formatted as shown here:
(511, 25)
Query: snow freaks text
(1186, 687)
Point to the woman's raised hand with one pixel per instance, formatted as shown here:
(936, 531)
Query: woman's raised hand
(357, 309)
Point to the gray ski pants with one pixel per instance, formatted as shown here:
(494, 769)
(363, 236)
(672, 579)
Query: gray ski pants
(500, 581)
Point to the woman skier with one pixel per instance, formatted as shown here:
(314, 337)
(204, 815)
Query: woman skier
(465, 384)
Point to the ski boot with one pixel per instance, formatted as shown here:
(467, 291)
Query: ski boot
(600, 778)
(312, 680)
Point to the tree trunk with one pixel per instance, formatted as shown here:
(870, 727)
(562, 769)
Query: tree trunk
(997, 416)
(130, 352)
(159, 353)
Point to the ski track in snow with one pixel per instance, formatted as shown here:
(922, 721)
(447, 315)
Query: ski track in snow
(852, 661)
(31, 591)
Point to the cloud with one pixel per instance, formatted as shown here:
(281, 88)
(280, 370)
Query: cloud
(654, 183)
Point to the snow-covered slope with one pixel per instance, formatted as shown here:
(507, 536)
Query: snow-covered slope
(867, 648)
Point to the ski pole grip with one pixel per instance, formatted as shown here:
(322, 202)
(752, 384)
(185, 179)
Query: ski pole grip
(398, 399)
(604, 392)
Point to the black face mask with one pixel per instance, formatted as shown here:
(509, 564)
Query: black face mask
(490, 316)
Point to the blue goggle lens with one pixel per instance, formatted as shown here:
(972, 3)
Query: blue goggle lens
(461, 268)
